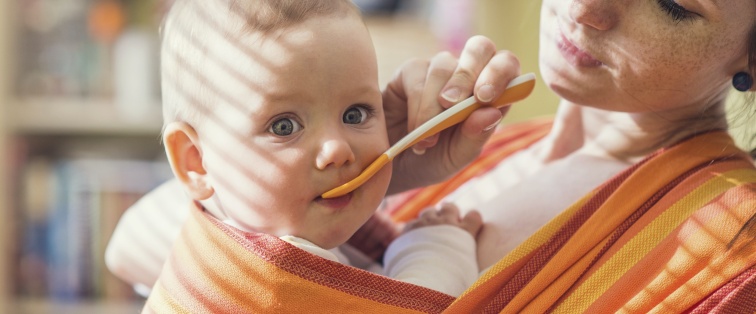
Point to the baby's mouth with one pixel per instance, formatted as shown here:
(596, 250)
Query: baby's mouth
(336, 202)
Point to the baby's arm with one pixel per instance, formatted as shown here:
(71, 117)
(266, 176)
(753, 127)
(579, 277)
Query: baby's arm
(437, 251)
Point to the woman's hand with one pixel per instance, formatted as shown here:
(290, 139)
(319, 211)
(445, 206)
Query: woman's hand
(422, 89)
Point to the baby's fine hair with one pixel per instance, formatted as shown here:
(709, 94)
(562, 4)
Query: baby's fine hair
(186, 91)
(269, 15)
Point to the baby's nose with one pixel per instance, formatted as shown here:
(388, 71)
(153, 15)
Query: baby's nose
(334, 152)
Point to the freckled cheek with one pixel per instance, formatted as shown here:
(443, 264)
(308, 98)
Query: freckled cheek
(657, 69)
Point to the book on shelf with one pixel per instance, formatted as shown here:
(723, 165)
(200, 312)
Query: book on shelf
(71, 209)
(76, 49)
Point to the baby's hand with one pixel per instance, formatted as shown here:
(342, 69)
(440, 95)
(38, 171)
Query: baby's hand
(448, 214)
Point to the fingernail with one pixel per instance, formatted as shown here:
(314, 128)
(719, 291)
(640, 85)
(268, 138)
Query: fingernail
(486, 93)
(418, 151)
(492, 126)
(451, 94)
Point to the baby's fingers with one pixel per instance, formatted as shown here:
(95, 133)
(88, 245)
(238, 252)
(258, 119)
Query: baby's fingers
(472, 222)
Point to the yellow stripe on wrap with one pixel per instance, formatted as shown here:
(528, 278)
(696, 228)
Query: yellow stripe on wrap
(640, 186)
(474, 296)
(168, 305)
(540, 238)
(637, 248)
(706, 277)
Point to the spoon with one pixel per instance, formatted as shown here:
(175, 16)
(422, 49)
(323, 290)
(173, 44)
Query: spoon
(517, 90)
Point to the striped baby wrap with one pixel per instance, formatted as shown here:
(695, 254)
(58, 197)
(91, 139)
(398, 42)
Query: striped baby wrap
(673, 233)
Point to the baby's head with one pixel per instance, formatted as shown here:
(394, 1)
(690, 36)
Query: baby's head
(268, 104)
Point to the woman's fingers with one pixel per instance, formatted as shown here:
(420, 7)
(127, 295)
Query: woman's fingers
(416, 94)
(475, 56)
(450, 81)
(401, 98)
(439, 72)
(482, 70)
(478, 127)
(502, 68)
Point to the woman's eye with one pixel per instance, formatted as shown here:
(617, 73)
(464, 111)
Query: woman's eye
(285, 127)
(676, 11)
(355, 115)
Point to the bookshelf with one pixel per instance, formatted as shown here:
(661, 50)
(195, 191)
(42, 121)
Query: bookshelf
(74, 154)
(6, 225)
(82, 116)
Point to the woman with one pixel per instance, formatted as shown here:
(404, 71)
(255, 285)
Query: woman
(631, 199)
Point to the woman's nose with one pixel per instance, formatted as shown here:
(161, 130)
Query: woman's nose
(334, 152)
(597, 14)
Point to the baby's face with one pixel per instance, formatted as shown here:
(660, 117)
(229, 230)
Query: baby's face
(298, 113)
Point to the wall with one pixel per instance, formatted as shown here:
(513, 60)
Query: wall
(513, 25)
(742, 117)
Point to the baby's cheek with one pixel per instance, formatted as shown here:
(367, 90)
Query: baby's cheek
(384, 178)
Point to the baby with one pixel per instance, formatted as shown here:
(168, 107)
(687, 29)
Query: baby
(270, 103)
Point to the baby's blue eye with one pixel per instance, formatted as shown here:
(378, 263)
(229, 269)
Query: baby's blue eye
(285, 127)
(355, 115)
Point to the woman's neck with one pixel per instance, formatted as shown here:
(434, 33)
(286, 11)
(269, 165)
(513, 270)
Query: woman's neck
(624, 137)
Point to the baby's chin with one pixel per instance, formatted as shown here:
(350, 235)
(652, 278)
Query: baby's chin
(336, 238)
(333, 242)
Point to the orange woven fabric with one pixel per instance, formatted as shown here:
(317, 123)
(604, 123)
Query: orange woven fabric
(214, 268)
(665, 236)
(658, 238)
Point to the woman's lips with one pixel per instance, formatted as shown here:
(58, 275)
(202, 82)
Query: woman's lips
(574, 55)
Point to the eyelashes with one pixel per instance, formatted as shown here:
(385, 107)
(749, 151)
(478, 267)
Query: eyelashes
(287, 124)
(677, 12)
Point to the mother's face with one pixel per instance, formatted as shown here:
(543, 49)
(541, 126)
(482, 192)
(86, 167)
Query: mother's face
(644, 55)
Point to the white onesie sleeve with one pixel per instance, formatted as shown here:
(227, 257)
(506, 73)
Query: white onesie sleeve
(441, 258)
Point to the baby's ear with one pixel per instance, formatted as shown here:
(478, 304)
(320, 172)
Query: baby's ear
(184, 153)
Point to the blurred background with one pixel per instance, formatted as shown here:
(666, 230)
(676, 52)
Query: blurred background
(80, 123)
